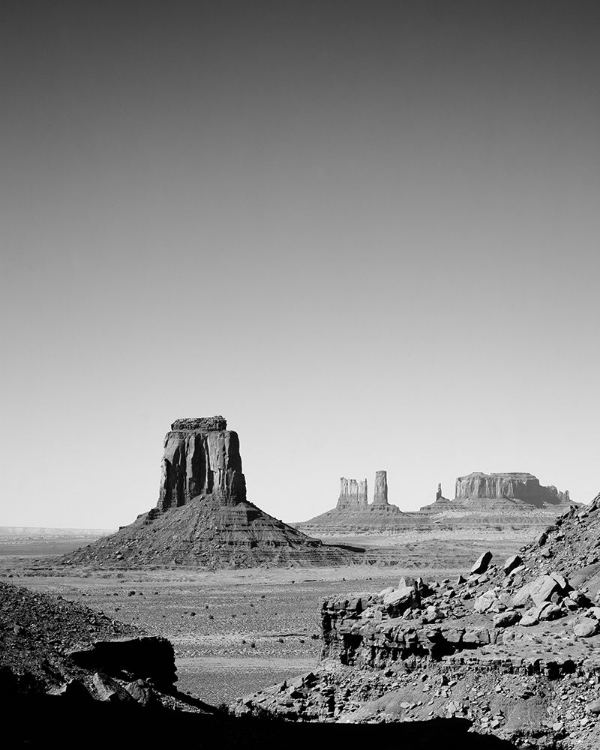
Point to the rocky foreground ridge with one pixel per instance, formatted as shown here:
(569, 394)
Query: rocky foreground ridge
(71, 677)
(203, 518)
(513, 648)
(515, 499)
(54, 647)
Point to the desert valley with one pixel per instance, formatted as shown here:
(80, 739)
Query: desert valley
(474, 618)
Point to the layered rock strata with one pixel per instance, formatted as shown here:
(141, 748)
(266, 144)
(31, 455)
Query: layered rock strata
(513, 648)
(202, 517)
(521, 486)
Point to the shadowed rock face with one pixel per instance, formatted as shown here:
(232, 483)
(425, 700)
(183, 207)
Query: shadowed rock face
(512, 486)
(201, 457)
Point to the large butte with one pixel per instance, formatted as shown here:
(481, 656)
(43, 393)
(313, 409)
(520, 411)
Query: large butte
(202, 518)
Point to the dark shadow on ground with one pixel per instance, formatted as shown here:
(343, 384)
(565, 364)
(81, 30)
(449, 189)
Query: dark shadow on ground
(348, 548)
(50, 722)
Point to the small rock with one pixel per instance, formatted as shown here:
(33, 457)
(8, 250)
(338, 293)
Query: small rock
(511, 563)
(585, 628)
(506, 619)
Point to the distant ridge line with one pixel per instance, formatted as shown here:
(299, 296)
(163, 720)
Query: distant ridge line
(12, 531)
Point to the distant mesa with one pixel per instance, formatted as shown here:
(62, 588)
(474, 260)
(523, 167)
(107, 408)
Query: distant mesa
(513, 486)
(202, 518)
(479, 491)
(516, 499)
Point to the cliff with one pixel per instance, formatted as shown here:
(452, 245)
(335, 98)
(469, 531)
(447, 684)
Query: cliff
(201, 457)
(353, 494)
(511, 486)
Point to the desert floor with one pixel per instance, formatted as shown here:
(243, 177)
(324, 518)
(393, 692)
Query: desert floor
(236, 631)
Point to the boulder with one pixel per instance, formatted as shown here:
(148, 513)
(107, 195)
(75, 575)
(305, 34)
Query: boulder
(511, 563)
(401, 599)
(586, 628)
(482, 563)
(488, 602)
(505, 619)
(538, 591)
(144, 657)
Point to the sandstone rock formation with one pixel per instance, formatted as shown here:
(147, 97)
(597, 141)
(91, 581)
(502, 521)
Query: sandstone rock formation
(515, 501)
(203, 518)
(353, 494)
(514, 648)
(353, 513)
(201, 457)
(477, 487)
(381, 489)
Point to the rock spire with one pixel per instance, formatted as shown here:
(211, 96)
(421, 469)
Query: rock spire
(380, 497)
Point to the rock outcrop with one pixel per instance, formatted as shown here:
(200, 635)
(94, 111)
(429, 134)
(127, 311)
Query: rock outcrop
(203, 518)
(51, 646)
(513, 648)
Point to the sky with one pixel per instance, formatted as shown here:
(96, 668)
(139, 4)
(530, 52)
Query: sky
(365, 232)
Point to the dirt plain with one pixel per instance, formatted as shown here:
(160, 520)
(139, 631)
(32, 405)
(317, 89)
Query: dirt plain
(237, 631)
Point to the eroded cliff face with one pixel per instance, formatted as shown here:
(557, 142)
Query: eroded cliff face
(353, 494)
(202, 457)
(512, 486)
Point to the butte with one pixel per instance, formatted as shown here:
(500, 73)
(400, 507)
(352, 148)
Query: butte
(202, 518)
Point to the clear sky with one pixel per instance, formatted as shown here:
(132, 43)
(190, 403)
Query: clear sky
(367, 233)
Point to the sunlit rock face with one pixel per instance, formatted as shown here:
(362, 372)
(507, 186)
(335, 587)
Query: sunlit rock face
(201, 457)
(353, 494)
(511, 486)
(380, 497)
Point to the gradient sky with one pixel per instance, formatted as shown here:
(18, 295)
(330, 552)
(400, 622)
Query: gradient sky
(367, 233)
